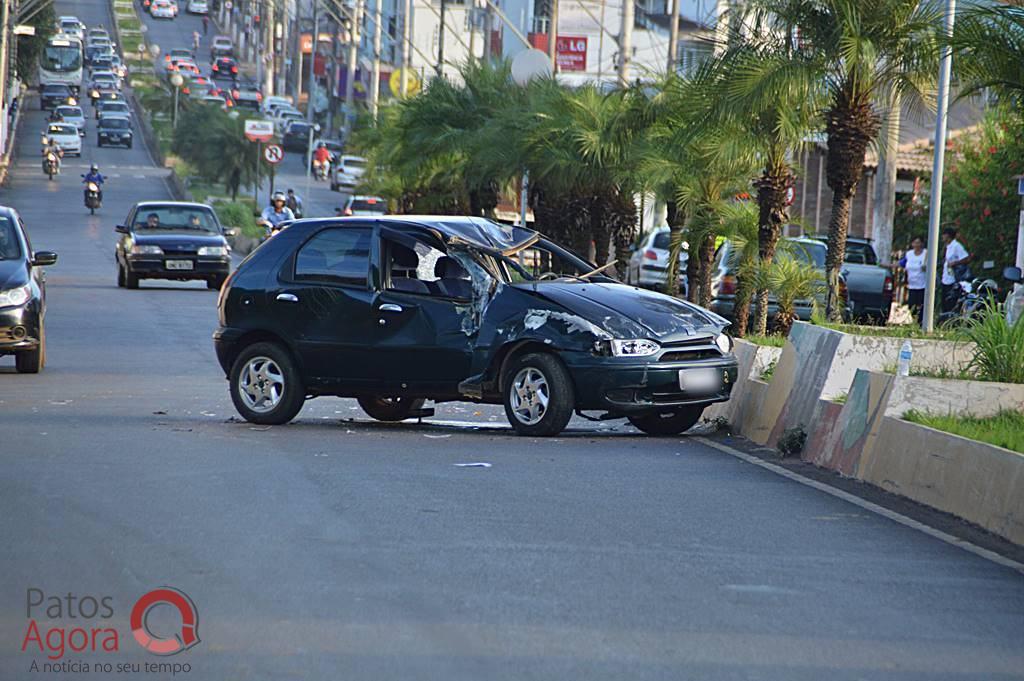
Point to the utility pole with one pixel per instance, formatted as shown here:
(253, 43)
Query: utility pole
(487, 34)
(353, 56)
(4, 28)
(935, 207)
(553, 36)
(600, 44)
(626, 42)
(375, 83)
(311, 84)
(673, 38)
(440, 40)
(267, 53)
(406, 36)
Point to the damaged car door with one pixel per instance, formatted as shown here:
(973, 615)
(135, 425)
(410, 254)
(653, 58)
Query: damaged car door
(324, 303)
(424, 331)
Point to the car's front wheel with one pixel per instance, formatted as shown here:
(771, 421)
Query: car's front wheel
(669, 423)
(131, 280)
(216, 283)
(539, 395)
(32, 361)
(390, 408)
(265, 385)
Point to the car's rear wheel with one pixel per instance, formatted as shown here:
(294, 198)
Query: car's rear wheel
(32, 361)
(390, 408)
(669, 423)
(265, 385)
(539, 396)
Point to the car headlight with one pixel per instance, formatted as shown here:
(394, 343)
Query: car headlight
(638, 347)
(724, 343)
(212, 250)
(15, 296)
(146, 249)
(94, 94)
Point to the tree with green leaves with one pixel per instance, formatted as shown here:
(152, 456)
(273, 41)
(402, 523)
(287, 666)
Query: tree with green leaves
(853, 52)
(214, 143)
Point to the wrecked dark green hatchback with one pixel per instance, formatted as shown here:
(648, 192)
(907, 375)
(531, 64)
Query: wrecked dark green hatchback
(398, 310)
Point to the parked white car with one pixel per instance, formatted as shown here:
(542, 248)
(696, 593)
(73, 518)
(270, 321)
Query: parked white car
(348, 171)
(648, 265)
(198, 7)
(66, 136)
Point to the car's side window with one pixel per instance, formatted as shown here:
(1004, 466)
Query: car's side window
(335, 256)
(425, 270)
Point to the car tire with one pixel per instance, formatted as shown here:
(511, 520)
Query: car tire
(32, 361)
(272, 364)
(131, 280)
(390, 408)
(539, 396)
(216, 283)
(669, 423)
(120, 276)
(129, 145)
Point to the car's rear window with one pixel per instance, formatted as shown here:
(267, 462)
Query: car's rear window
(860, 254)
(813, 253)
(120, 123)
(354, 163)
(56, 90)
(336, 256)
(661, 240)
(375, 205)
(63, 130)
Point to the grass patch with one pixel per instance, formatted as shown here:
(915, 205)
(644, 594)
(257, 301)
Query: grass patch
(895, 331)
(769, 371)
(841, 398)
(771, 341)
(1005, 429)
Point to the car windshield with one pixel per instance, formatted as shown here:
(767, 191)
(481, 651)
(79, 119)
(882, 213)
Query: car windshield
(113, 106)
(10, 249)
(172, 218)
(108, 122)
(354, 163)
(299, 129)
(62, 58)
(811, 253)
(63, 130)
(69, 111)
(56, 91)
(542, 261)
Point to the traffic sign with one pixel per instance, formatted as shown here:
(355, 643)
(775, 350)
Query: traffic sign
(272, 153)
(259, 131)
(412, 83)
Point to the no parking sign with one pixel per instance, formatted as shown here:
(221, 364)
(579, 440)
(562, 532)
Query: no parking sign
(273, 153)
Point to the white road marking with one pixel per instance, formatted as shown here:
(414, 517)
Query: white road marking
(867, 505)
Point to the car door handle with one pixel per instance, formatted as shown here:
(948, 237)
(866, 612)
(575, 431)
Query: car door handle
(287, 298)
(390, 307)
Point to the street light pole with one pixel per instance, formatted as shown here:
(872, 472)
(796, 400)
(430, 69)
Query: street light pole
(311, 84)
(375, 82)
(935, 208)
(553, 36)
(406, 31)
(440, 40)
(673, 38)
(626, 42)
(177, 81)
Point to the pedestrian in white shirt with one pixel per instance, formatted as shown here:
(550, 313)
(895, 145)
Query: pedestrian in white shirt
(914, 263)
(956, 258)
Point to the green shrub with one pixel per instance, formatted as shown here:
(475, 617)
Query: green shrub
(998, 347)
(771, 340)
(1005, 429)
(238, 214)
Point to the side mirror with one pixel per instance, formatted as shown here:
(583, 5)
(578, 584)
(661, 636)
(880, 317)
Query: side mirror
(121, 229)
(44, 258)
(231, 231)
(1013, 274)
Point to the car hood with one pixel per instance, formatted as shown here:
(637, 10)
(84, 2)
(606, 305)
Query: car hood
(627, 312)
(181, 240)
(13, 273)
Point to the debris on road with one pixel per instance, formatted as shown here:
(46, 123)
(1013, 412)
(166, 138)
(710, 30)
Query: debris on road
(477, 464)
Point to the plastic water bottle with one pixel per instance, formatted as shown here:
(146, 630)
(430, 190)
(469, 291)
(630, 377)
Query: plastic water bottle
(906, 354)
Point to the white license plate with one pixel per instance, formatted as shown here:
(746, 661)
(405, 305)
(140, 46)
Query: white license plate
(180, 264)
(700, 380)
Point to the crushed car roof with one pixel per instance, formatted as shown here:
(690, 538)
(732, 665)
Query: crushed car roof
(476, 232)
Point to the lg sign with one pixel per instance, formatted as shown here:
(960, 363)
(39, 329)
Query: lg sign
(571, 53)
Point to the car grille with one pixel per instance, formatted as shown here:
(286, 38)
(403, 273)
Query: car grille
(179, 250)
(690, 350)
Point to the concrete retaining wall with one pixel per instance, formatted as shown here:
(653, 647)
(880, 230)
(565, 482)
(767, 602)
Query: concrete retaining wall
(753, 360)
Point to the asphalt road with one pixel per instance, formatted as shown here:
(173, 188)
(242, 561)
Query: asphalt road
(337, 548)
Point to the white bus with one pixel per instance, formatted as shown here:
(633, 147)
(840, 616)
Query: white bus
(61, 61)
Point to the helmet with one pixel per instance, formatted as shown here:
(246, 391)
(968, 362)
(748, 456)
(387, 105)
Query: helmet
(94, 168)
(278, 196)
(321, 146)
(290, 190)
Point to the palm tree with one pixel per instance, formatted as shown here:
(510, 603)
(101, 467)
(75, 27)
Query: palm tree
(791, 279)
(740, 225)
(989, 44)
(853, 52)
(777, 123)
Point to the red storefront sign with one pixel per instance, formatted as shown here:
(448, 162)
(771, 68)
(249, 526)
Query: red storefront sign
(571, 53)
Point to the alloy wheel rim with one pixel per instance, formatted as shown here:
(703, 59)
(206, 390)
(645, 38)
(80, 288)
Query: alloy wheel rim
(261, 384)
(529, 395)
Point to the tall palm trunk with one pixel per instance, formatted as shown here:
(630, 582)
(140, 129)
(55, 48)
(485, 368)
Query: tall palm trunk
(851, 125)
(623, 229)
(772, 187)
(706, 256)
(675, 219)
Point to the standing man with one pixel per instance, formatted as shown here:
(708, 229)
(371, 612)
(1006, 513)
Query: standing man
(914, 264)
(206, 24)
(954, 266)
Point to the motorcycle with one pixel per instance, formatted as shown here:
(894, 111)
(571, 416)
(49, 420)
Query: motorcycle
(92, 197)
(51, 164)
(966, 300)
(321, 169)
(269, 230)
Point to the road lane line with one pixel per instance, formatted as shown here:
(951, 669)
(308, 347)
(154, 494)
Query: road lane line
(868, 506)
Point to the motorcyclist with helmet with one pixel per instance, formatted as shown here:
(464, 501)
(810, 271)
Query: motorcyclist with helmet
(50, 146)
(93, 175)
(321, 161)
(276, 213)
